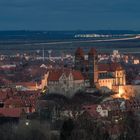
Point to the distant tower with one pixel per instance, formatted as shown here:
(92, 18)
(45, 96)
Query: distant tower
(43, 54)
(93, 66)
(49, 52)
(79, 60)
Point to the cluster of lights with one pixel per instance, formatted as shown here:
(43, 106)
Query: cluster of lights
(121, 94)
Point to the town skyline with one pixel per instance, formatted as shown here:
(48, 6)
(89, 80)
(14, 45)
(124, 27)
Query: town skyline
(69, 70)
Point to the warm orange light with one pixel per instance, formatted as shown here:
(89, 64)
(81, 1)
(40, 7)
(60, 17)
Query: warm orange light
(122, 94)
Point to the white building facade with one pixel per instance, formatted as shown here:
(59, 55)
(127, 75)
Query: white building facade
(65, 82)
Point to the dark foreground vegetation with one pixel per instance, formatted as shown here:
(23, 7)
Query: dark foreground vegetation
(85, 128)
(43, 127)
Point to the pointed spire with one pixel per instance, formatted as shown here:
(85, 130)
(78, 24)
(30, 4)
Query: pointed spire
(92, 52)
(43, 54)
(79, 52)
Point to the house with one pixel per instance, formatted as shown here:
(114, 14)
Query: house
(27, 86)
(10, 112)
(65, 81)
(110, 75)
(27, 105)
(136, 81)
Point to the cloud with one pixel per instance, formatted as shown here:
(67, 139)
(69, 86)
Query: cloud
(69, 13)
(75, 5)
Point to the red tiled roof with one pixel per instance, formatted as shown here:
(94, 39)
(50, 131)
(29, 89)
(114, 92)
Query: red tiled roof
(16, 102)
(26, 84)
(109, 67)
(24, 93)
(103, 67)
(77, 75)
(20, 102)
(6, 93)
(10, 112)
(3, 95)
(55, 74)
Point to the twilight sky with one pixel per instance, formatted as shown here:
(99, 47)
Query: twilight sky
(69, 14)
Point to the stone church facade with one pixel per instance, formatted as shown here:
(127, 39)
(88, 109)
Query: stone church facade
(65, 81)
(99, 75)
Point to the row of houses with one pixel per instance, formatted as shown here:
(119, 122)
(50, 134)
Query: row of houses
(15, 104)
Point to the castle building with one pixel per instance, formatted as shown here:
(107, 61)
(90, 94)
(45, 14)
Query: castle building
(101, 75)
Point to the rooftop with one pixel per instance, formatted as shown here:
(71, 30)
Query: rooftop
(55, 74)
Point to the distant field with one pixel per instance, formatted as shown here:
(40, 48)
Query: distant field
(12, 42)
(132, 46)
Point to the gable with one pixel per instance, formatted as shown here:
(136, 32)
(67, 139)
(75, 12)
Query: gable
(71, 76)
(63, 77)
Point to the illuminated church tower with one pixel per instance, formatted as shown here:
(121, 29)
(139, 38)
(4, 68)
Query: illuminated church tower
(120, 78)
(93, 66)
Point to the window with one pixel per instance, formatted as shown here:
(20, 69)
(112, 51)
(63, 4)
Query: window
(65, 82)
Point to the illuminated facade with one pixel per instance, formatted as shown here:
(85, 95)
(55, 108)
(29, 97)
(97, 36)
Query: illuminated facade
(100, 75)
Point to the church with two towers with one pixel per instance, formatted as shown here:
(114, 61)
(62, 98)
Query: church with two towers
(99, 74)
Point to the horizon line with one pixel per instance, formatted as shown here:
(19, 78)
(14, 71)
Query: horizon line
(132, 30)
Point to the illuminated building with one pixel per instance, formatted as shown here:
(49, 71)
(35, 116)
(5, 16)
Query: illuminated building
(99, 75)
